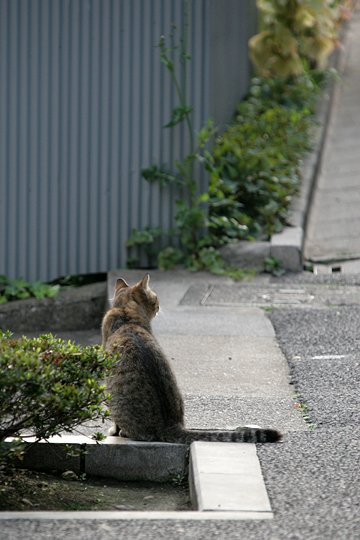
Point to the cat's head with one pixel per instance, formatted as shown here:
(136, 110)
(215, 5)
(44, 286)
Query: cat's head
(139, 294)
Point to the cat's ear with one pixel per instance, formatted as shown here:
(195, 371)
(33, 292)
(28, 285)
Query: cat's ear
(120, 284)
(144, 283)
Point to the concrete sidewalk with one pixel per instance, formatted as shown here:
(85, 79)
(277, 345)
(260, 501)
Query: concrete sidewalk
(226, 358)
(333, 232)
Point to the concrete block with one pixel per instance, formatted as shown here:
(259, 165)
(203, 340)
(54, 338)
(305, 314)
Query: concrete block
(249, 255)
(43, 456)
(134, 460)
(256, 362)
(227, 477)
(118, 458)
(215, 320)
(76, 308)
(287, 247)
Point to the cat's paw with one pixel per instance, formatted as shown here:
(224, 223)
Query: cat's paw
(114, 431)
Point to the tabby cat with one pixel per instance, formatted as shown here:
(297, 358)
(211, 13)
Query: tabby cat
(146, 403)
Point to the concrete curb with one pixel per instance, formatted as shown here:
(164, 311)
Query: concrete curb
(129, 516)
(117, 458)
(75, 308)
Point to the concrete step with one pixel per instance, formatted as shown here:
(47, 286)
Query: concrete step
(227, 477)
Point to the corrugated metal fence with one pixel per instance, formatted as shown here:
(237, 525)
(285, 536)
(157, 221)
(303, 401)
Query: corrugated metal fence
(83, 98)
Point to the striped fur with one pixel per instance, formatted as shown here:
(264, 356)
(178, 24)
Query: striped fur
(146, 403)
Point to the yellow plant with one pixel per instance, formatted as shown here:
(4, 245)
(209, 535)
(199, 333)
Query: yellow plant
(295, 31)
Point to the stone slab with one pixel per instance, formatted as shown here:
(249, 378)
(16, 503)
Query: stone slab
(303, 295)
(227, 365)
(227, 477)
(248, 255)
(345, 227)
(287, 248)
(132, 460)
(210, 321)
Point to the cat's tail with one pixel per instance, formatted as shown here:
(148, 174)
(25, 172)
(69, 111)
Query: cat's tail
(240, 434)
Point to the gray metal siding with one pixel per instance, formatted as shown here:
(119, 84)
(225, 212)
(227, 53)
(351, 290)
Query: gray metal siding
(83, 98)
(231, 24)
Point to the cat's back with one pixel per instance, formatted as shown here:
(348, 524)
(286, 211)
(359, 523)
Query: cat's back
(145, 397)
(131, 339)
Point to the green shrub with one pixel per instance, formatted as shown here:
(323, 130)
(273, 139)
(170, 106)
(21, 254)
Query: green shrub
(256, 160)
(19, 289)
(48, 386)
(295, 33)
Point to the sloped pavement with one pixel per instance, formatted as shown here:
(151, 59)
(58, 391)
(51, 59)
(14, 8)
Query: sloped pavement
(333, 232)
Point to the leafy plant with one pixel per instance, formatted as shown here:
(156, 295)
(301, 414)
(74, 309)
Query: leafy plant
(48, 386)
(296, 33)
(186, 239)
(304, 410)
(19, 289)
(256, 161)
(254, 167)
(273, 266)
(146, 240)
(78, 280)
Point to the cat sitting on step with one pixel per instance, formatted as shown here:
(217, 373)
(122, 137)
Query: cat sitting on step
(146, 403)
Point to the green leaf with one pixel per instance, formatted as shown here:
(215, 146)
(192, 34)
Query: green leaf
(141, 237)
(204, 198)
(170, 257)
(19, 283)
(159, 174)
(205, 133)
(52, 291)
(98, 436)
(178, 115)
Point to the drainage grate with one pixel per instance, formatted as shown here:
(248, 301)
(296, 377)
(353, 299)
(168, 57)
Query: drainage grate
(336, 267)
